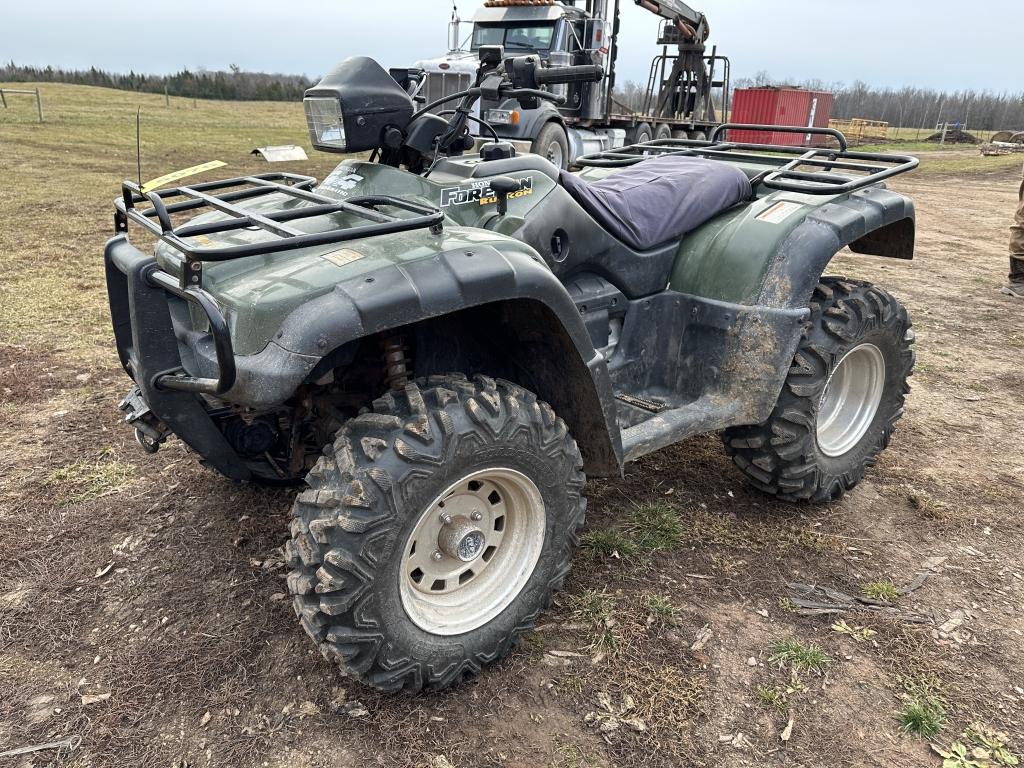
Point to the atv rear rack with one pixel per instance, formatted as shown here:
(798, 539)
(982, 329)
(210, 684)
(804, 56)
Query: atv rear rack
(202, 198)
(872, 167)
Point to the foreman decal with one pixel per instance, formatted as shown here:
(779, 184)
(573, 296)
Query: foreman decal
(480, 192)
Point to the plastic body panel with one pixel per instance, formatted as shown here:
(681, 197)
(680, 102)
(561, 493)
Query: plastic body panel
(752, 255)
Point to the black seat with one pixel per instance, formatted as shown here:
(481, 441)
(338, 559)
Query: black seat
(660, 199)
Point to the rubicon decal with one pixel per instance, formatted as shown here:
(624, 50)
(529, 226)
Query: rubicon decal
(480, 192)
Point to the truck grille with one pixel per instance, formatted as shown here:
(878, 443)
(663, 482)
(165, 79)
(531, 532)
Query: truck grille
(441, 84)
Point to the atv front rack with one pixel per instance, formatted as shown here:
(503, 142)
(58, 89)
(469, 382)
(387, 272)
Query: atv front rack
(203, 198)
(835, 172)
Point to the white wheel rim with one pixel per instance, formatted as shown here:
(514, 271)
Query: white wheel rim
(851, 399)
(496, 519)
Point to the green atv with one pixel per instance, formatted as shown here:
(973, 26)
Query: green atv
(440, 341)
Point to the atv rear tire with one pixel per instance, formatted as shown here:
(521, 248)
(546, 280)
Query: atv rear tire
(553, 145)
(842, 397)
(404, 592)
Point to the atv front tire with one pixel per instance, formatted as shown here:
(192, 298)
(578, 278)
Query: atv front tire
(842, 397)
(435, 530)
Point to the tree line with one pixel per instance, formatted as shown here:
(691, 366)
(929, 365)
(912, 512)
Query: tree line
(907, 107)
(233, 85)
(912, 107)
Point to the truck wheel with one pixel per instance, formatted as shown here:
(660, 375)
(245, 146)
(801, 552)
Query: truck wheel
(639, 134)
(842, 397)
(435, 530)
(553, 145)
(662, 132)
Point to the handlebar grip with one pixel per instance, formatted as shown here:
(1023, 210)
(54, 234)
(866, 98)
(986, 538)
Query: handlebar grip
(584, 73)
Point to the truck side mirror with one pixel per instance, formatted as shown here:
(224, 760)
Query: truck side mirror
(453, 32)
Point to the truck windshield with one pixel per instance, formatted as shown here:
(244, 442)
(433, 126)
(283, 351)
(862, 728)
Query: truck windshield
(531, 37)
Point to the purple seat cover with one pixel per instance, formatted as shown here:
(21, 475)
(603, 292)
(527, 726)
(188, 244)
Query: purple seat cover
(660, 199)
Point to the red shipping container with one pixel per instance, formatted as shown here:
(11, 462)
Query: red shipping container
(779, 106)
(821, 113)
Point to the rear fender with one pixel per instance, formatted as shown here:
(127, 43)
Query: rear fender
(872, 221)
(766, 259)
(772, 252)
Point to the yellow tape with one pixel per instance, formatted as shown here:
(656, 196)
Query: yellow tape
(149, 186)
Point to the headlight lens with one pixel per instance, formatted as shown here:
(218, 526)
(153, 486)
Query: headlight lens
(325, 121)
(502, 117)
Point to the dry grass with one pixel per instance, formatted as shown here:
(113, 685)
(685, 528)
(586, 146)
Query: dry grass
(61, 179)
(83, 481)
(677, 546)
(637, 674)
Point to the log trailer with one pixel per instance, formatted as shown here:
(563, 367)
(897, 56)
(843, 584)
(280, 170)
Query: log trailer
(687, 89)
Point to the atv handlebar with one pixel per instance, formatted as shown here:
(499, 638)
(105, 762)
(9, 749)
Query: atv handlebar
(520, 78)
(585, 73)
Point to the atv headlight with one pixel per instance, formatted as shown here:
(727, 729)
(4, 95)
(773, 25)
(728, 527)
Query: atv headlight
(354, 105)
(326, 123)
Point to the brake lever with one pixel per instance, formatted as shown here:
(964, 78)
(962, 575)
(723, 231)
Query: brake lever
(516, 93)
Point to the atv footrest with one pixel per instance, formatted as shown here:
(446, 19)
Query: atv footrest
(645, 404)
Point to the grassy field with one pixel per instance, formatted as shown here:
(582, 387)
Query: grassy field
(64, 174)
(142, 601)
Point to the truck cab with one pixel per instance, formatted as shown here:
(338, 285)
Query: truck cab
(561, 35)
(687, 89)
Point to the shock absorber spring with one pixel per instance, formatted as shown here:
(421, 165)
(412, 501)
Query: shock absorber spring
(397, 363)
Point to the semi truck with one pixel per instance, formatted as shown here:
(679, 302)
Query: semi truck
(687, 90)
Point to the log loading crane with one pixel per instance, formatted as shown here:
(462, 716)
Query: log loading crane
(687, 88)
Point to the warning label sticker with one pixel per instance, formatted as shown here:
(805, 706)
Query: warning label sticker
(779, 212)
(342, 256)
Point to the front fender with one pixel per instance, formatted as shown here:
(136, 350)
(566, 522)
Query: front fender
(402, 294)
(405, 293)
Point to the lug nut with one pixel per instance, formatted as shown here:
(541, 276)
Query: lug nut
(476, 516)
(446, 519)
(436, 556)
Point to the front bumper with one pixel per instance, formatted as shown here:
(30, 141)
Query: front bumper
(139, 294)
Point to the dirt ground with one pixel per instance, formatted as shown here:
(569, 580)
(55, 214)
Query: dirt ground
(142, 598)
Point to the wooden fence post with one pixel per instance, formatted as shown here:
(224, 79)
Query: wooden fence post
(39, 105)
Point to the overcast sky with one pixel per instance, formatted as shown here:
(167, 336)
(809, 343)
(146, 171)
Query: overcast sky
(944, 44)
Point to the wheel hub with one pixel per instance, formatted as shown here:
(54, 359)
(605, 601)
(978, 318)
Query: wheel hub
(461, 539)
(472, 551)
(555, 154)
(851, 400)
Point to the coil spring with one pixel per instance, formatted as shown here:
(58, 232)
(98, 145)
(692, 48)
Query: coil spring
(396, 362)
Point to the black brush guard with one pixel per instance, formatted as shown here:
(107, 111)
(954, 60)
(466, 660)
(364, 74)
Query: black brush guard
(203, 198)
(873, 167)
